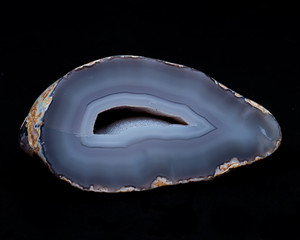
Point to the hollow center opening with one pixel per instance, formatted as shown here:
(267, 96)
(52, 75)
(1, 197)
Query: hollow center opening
(119, 119)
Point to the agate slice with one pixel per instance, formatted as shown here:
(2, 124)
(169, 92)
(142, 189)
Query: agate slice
(129, 123)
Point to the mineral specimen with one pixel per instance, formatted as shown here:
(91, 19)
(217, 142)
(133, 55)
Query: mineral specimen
(130, 123)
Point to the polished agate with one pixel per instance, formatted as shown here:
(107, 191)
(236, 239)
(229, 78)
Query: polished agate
(129, 123)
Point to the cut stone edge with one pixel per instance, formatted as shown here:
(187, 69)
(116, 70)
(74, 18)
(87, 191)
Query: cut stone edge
(34, 121)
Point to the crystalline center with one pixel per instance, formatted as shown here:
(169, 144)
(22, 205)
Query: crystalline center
(119, 120)
(142, 117)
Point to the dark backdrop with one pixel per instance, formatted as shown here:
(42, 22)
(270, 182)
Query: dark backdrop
(253, 49)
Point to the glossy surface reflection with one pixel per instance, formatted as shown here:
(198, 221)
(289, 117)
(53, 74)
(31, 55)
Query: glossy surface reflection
(129, 123)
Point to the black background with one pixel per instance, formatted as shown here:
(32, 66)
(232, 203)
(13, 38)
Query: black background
(253, 49)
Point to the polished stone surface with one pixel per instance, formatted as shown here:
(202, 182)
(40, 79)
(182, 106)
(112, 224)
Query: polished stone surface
(129, 123)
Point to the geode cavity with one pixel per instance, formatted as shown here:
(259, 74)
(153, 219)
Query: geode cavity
(128, 123)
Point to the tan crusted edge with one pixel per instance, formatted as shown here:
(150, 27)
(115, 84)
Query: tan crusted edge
(33, 121)
(71, 182)
(223, 86)
(249, 101)
(258, 106)
(225, 167)
(161, 181)
(278, 142)
(90, 64)
(234, 162)
(99, 188)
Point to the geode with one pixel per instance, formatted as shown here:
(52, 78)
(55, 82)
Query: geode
(130, 123)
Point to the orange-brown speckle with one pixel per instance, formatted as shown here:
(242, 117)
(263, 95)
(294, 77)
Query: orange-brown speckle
(34, 119)
(256, 105)
(160, 181)
(128, 189)
(223, 86)
(233, 163)
(98, 188)
(257, 158)
(33, 132)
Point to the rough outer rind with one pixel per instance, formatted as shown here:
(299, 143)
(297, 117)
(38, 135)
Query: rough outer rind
(34, 121)
(258, 106)
(225, 167)
(160, 181)
(251, 102)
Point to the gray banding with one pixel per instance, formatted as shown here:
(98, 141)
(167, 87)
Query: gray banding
(220, 126)
(197, 125)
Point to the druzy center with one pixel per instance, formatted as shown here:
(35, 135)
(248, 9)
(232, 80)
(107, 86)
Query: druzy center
(120, 119)
(127, 118)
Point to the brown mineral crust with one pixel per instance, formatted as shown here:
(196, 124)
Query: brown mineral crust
(128, 189)
(258, 106)
(160, 181)
(225, 167)
(33, 122)
(33, 132)
(223, 86)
